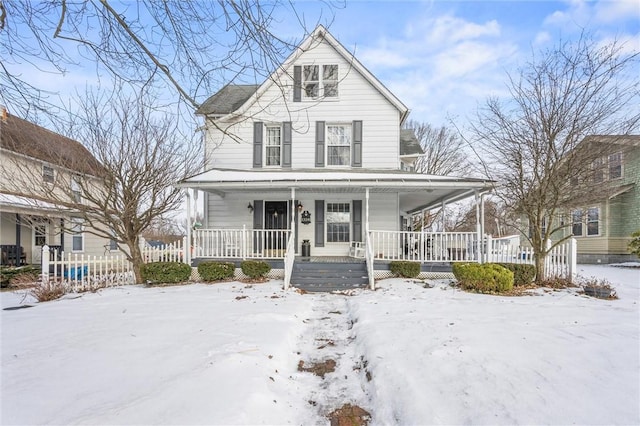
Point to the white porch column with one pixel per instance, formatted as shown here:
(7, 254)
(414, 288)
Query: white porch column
(478, 231)
(187, 246)
(443, 215)
(483, 249)
(293, 214)
(366, 211)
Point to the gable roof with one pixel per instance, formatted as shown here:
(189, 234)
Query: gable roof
(409, 144)
(29, 139)
(319, 34)
(228, 99)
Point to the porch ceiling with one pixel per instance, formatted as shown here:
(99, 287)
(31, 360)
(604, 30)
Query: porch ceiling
(29, 206)
(416, 191)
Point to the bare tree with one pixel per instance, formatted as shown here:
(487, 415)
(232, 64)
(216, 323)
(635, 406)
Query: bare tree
(532, 143)
(444, 150)
(189, 48)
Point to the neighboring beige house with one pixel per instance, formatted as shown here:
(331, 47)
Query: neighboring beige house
(34, 163)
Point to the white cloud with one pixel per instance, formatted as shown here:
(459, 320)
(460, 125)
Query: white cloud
(615, 11)
(581, 14)
(542, 37)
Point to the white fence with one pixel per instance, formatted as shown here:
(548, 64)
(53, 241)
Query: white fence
(79, 272)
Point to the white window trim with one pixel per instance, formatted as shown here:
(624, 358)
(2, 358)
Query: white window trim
(326, 142)
(76, 221)
(621, 166)
(321, 95)
(53, 174)
(326, 223)
(587, 221)
(266, 145)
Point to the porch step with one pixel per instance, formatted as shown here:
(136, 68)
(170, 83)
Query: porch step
(329, 276)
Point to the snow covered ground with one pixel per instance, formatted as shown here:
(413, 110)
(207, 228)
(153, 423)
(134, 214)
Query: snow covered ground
(229, 354)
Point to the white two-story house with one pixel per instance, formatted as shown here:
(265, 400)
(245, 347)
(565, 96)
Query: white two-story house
(316, 156)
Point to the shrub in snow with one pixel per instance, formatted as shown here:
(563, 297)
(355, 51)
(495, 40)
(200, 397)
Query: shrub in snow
(44, 292)
(522, 274)
(255, 268)
(634, 245)
(216, 271)
(405, 269)
(165, 272)
(483, 278)
(17, 276)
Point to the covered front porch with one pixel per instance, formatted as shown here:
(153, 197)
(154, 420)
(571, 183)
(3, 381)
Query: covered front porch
(293, 215)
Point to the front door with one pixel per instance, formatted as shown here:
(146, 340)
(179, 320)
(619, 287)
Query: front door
(40, 232)
(276, 217)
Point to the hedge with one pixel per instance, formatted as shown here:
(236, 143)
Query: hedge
(9, 274)
(255, 268)
(165, 272)
(523, 274)
(216, 271)
(404, 268)
(483, 278)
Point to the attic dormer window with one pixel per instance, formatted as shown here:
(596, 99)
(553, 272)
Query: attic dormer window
(316, 84)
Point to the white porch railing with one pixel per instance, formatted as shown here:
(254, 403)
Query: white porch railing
(425, 246)
(241, 243)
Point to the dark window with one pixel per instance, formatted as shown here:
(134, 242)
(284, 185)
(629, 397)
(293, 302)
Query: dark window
(47, 174)
(615, 165)
(593, 221)
(576, 218)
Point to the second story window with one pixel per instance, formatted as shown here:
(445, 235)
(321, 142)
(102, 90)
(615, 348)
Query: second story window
(615, 165)
(76, 191)
(47, 174)
(339, 145)
(597, 169)
(273, 146)
(320, 80)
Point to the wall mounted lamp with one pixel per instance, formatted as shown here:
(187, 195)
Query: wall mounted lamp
(250, 207)
(300, 207)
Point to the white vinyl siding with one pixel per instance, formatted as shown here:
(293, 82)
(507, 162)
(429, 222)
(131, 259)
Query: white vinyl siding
(358, 100)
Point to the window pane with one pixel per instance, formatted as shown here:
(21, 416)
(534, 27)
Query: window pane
(330, 80)
(576, 217)
(273, 156)
(311, 72)
(76, 242)
(272, 151)
(338, 222)
(330, 72)
(615, 166)
(338, 156)
(598, 170)
(593, 221)
(311, 80)
(47, 174)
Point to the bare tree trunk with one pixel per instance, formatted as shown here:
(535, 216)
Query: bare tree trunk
(539, 263)
(136, 260)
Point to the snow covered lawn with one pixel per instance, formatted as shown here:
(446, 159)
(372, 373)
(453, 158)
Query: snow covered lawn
(229, 354)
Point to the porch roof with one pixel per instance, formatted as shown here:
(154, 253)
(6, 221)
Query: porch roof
(416, 191)
(24, 205)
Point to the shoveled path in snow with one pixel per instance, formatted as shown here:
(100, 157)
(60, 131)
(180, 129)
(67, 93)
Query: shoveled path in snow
(329, 336)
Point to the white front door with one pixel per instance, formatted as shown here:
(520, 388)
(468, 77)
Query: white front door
(40, 238)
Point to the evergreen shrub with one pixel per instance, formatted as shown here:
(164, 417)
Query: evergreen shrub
(523, 274)
(255, 268)
(165, 272)
(483, 278)
(404, 268)
(216, 271)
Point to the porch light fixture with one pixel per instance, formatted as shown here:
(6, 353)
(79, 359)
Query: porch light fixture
(300, 207)
(250, 207)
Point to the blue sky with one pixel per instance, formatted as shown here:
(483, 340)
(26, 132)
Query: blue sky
(443, 58)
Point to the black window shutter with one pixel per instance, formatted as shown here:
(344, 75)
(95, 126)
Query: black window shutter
(257, 144)
(357, 220)
(297, 83)
(356, 158)
(286, 144)
(319, 223)
(319, 143)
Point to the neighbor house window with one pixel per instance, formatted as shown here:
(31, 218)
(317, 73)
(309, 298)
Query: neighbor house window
(273, 146)
(576, 218)
(47, 174)
(593, 221)
(77, 234)
(339, 145)
(76, 192)
(316, 84)
(597, 170)
(338, 222)
(615, 165)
